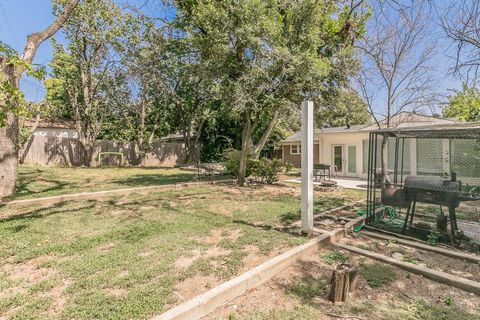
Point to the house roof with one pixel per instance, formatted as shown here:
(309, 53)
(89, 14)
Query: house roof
(404, 120)
(459, 130)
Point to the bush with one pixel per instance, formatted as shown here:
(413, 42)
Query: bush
(267, 170)
(232, 163)
(288, 166)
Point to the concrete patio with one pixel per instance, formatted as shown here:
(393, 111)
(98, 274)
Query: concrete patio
(348, 183)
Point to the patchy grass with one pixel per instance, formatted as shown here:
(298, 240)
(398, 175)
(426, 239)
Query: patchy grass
(43, 181)
(334, 257)
(378, 274)
(308, 288)
(300, 312)
(131, 257)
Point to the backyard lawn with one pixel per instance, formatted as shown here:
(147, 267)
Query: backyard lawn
(42, 181)
(137, 256)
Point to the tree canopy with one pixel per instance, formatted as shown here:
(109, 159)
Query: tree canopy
(464, 104)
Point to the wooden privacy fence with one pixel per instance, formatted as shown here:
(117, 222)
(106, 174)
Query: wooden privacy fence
(58, 151)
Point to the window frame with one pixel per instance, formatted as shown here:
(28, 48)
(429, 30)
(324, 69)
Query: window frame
(299, 149)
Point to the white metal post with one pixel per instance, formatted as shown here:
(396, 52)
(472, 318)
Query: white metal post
(307, 167)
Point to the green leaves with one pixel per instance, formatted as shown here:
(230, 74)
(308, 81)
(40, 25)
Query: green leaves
(11, 66)
(464, 105)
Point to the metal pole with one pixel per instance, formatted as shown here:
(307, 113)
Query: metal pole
(307, 167)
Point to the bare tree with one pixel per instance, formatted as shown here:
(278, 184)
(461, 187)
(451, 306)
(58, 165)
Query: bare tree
(12, 73)
(396, 73)
(461, 24)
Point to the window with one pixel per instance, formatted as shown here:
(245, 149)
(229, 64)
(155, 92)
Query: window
(296, 149)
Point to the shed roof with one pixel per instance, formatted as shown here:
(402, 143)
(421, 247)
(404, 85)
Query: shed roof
(462, 130)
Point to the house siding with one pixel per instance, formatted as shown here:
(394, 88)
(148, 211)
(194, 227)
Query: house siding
(296, 159)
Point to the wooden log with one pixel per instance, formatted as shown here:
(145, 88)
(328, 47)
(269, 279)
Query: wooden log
(344, 281)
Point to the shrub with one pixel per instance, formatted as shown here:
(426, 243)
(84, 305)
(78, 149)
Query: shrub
(232, 162)
(267, 170)
(288, 166)
(433, 237)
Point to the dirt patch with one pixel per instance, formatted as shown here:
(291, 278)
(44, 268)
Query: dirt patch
(29, 271)
(186, 261)
(145, 254)
(58, 297)
(116, 292)
(217, 235)
(306, 286)
(420, 257)
(123, 274)
(106, 247)
(192, 287)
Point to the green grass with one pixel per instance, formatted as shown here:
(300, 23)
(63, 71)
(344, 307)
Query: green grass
(308, 288)
(43, 181)
(300, 312)
(334, 257)
(117, 258)
(378, 274)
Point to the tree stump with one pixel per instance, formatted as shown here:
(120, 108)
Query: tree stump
(344, 280)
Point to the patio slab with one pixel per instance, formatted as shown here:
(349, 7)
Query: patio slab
(348, 183)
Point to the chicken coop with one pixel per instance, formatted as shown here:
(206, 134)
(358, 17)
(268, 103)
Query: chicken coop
(425, 179)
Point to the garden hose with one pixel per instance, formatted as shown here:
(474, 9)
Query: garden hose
(393, 217)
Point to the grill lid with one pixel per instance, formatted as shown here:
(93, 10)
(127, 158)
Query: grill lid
(432, 183)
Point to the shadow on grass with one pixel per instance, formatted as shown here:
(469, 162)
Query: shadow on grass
(47, 211)
(161, 179)
(263, 226)
(310, 286)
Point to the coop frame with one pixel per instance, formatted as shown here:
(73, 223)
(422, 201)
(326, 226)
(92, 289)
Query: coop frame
(376, 179)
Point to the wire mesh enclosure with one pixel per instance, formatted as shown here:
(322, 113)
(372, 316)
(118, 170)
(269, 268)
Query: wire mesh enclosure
(425, 181)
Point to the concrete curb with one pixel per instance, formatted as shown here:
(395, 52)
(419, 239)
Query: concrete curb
(108, 193)
(207, 302)
(438, 276)
(419, 245)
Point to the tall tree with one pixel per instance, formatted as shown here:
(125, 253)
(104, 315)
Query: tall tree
(183, 86)
(269, 55)
(396, 73)
(461, 23)
(87, 70)
(11, 70)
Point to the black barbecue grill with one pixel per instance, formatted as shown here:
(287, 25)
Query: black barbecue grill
(433, 190)
(413, 161)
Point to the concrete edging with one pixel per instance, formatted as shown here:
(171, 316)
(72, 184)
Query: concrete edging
(438, 276)
(97, 195)
(209, 301)
(420, 245)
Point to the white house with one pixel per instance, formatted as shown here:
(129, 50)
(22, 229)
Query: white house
(345, 149)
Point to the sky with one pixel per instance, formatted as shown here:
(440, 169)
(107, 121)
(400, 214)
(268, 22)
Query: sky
(18, 18)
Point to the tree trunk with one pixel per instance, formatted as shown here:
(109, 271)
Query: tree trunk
(344, 281)
(384, 156)
(10, 134)
(8, 139)
(266, 134)
(8, 156)
(247, 132)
